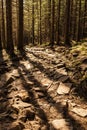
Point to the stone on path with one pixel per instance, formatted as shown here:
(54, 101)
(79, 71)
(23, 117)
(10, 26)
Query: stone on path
(15, 73)
(16, 126)
(63, 78)
(60, 65)
(23, 95)
(18, 105)
(80, 111)
(27, 65)
(62, 71)
(46, 82)
(27, 114)
(10, 80)
(64, 88)
(60, 124)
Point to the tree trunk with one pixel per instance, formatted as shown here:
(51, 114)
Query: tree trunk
(40, 24)
(3, 27)
(20, 25)
(58, 23)
(49, 20)
(0, 39)
(75, 19)
(10, 47)
(79, 22)
(52, 23)
(85, 15)
(0, 31)
(71, 19)
(67, 23)
(33, 22)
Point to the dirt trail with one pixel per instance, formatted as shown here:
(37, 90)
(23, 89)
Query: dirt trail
(37, 92)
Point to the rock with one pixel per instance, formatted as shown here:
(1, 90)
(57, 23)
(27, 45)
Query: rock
(60, 65)
(13, 116)
(1, 84)
(44, 128)
(23, 118)
(79, 111)
(23, 95)
(15, 73)
(62, 71)
(3, 116)
(64, 88)
(26, 64)
(35, 127)
(12, 113)
(74, 42)
(16, 126)
(46, 82)
(30, 114)
(27, 114)
(75, 54)
(3, 106)
(41, 95)
(63, 78)
(59, 124)
(20, 105)
(83, 66)
(13, 109)
(10, 80)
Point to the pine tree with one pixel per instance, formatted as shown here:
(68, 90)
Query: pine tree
(20, 24)
(67, 23)
(3, 25)
(10, 47)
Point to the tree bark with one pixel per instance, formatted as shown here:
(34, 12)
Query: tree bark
(3, 26)
(58, 23)
(0, 31)
(10, 46)
(67, 23)
(33, 22)
(40, 24)
(49, 20)
(20, 24)
(79, 22)
(52, 23)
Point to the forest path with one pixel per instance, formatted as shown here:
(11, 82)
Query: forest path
(37, 91)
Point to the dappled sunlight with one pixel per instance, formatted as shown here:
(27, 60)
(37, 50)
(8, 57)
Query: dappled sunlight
(38, 92)
(43, 65)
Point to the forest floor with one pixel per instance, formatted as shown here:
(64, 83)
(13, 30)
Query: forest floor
(44, 89)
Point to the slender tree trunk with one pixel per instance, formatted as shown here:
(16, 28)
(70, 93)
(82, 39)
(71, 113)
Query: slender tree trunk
(40, 24)
(75, 19)
(49, 20)
(85, 15)
(3, 27)
(67, 23)
(20, 25)
(16, 23)
(29, 34)
(10, 46)
(52, 23)
(79, 22)
(58, 23)
(0, 31)
(71, 19)
(0, 39)
(33, 22)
